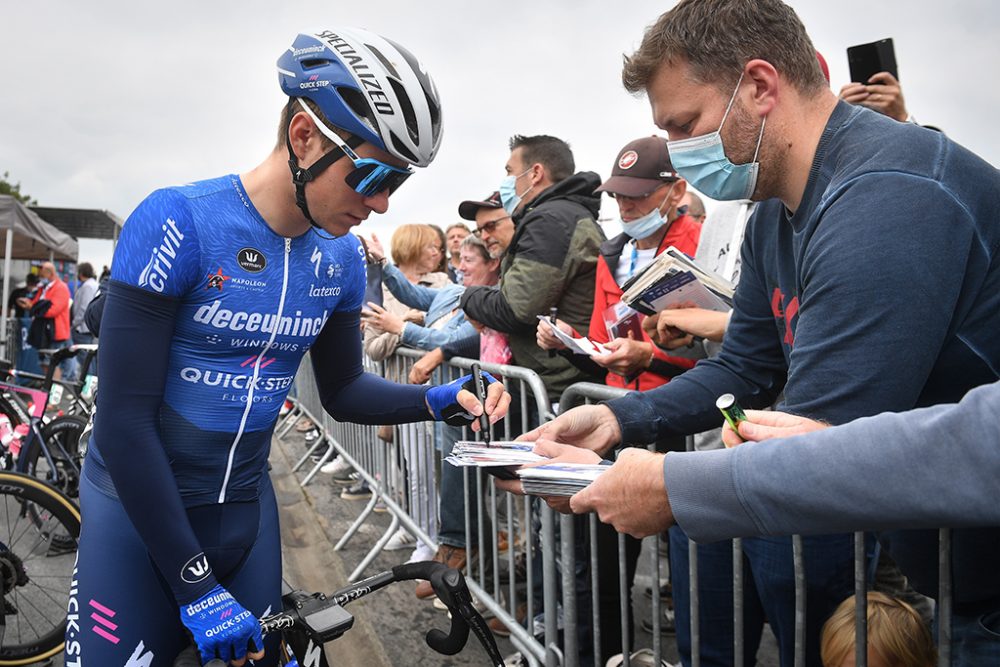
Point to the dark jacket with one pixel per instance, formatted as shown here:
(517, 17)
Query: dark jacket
(852, 319)
(551, 261)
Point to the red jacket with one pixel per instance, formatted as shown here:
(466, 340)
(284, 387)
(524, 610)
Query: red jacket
(683, 234)
(58, 293)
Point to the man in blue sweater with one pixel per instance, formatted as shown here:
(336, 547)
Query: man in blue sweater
(850, 315)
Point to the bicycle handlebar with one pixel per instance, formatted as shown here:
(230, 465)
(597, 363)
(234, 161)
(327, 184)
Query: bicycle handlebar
(325, 619)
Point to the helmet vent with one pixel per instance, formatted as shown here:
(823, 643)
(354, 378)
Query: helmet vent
(406, 108)
(434, 109)
(355, 100)
(314, 63)
(382, 59)
(401, 148)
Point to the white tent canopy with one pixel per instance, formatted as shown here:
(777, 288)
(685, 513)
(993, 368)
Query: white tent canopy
(33, 238)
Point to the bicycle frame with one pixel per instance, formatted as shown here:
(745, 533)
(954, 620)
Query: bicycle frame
(87, 352)
(37, 400)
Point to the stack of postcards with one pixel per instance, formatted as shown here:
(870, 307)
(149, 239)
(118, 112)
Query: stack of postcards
(503, 459)
(497, 458)
(559, 479)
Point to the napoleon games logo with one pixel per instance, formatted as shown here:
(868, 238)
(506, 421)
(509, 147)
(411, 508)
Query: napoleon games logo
(216, 279)
(251, 259)
(627, 159)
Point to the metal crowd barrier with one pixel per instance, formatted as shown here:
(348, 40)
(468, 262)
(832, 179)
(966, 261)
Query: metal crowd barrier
(499, 590)
(548, 547)
(588, 393)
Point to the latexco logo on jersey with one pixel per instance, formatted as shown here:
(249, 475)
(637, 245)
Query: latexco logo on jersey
(251, 259)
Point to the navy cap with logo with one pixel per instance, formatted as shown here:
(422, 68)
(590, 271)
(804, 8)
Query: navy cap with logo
(641, 167)
(468, 209)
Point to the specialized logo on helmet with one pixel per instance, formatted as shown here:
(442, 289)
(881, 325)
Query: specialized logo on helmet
(362, 70)
(196, 569)
(627, 159)
(216, 279)
(251, 259)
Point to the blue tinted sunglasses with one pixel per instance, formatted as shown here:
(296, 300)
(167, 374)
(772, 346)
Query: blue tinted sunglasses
(369, 176)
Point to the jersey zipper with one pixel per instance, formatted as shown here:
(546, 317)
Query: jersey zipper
(252, 385)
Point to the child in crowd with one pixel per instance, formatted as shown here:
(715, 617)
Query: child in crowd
(897, 637)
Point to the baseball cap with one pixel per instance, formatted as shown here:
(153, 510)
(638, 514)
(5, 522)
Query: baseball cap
(468, 209)
(641, 167)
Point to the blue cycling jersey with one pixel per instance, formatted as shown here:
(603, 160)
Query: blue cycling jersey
(207, 317)
(251, 303)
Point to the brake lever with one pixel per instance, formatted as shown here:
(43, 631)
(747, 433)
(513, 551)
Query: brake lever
(451, 589)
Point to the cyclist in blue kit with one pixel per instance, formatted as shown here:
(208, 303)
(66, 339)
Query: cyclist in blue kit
(218, 289)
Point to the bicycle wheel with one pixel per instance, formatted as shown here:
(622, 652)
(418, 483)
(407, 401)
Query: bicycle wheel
(36, 573)
(62, 438)
(15, 413)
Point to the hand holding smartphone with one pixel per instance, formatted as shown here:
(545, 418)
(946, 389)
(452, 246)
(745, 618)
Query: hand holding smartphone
(866, 60)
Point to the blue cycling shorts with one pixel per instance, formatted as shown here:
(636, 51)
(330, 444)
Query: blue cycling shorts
(121, 611)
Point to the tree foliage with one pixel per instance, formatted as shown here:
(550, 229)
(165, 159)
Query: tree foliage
(14, 190)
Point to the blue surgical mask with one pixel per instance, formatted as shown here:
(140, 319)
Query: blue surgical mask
(703, 163)
(647, 225)
(508, 192)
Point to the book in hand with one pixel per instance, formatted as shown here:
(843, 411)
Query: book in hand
(581, 345)
(560, 479)
(674, 280)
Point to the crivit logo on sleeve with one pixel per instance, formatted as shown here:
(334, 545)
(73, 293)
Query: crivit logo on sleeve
(157, 269)
(251, 259)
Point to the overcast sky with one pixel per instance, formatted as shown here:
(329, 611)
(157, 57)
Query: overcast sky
(105, 101)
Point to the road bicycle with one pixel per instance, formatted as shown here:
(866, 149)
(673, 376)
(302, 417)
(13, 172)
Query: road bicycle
(47, 448)
(309, 620)
(80, 397)
(39, 533)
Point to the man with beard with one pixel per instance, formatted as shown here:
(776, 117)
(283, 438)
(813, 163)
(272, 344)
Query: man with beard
(848, 315)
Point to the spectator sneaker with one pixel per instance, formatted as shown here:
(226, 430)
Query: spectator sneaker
(422, 553)
(336, 467)
(399, 541)
(515, 660)
(641, 658)
(667, 626)
(358, 491)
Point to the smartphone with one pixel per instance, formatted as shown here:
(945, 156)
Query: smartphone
(866, 60)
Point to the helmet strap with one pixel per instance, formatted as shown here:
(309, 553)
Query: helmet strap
(302, 175)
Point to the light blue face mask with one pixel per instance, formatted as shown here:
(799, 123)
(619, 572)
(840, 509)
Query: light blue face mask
(508, 192)
(703, 163)
(647, 225)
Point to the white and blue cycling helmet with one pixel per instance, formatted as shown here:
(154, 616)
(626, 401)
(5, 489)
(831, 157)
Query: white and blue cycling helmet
(371, 88)
(368, 86)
